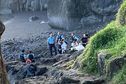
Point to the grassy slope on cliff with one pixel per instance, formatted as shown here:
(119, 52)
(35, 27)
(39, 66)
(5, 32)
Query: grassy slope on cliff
(111, 39)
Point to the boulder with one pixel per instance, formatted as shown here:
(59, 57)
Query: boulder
(33, 18)
(41, 71)
(25, 71)
(65, 80)
(115, 65)
(102, 55)
(95, 81)
(62, 14)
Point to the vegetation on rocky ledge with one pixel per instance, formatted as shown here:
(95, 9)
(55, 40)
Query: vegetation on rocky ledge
(111, 39)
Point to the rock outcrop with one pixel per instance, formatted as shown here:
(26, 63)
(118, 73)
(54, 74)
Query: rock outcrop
(74, 14)
(9, 6)
(3, 75)
(115, 65)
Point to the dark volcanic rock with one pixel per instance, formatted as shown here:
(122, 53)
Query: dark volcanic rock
(74, 14)
(55, 74)
(96, 81)
(25, 71)
(9, 6)
(65, 80)
(115, 65)
(41, 71)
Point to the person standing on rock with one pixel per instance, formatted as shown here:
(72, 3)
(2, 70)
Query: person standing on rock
(59, 38)
(74, 38)
(84, 40)
(51, 44)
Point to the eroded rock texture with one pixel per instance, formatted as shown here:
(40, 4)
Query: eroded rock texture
(3, 77)
(9, 6)
(74, 14)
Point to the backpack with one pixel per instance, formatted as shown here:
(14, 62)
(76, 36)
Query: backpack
(30, 56)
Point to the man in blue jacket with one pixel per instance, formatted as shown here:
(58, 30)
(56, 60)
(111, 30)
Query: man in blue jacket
(51, 43)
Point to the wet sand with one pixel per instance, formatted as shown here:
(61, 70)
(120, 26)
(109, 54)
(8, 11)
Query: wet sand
(19, 26)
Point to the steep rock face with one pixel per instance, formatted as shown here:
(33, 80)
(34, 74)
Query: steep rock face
(74, 14)
(3, 75)
(8, 6)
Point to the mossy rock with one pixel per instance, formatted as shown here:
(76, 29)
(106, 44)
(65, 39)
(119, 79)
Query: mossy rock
(121, 15)
(120, 77)
(114, 66)
(111, 39)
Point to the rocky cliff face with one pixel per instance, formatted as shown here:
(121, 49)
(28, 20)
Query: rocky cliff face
(74, 14)
(8, 6)
(67, 14)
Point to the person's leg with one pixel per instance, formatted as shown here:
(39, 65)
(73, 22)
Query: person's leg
(50, 48)
(84, 44)
(60, 49)
(55, 49)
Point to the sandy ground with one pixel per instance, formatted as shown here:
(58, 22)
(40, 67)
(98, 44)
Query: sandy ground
(20, 27)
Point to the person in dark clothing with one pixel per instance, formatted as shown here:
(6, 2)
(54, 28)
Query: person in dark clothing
(74, 37)
(59, 49)
(31, 56)
(22, 56)
(51, 43)
(59, 38)
(84, 40)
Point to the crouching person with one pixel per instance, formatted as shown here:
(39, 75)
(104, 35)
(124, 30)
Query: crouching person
(30, 57)
(22, 56)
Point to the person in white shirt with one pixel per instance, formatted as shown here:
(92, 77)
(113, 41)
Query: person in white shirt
(63, 46)
(74, 44)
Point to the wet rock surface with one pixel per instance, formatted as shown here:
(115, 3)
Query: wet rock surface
(45, 69)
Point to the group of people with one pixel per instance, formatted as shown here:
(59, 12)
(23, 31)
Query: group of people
(57, 44)
(60, 44)
(26, 56)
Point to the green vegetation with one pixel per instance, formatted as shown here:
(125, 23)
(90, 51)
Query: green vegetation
(111, 39)
(121, 15)
(120, 78)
